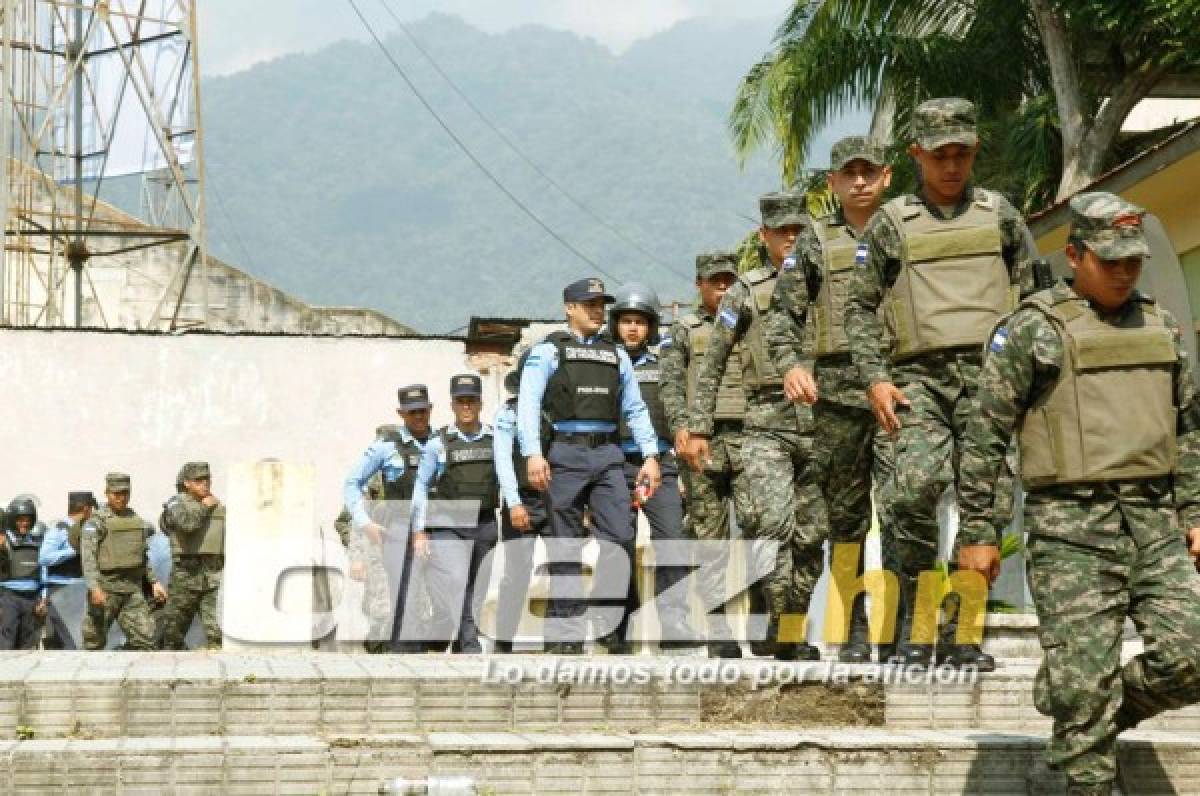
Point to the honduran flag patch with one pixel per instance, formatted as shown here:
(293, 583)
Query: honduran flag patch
(999, 339)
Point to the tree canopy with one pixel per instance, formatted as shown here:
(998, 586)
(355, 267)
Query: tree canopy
(1053, 79)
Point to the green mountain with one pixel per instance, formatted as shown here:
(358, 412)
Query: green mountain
(328, 178)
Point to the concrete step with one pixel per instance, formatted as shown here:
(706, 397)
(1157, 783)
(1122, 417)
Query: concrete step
(1002, 700)
(760, 762)
(123, 695)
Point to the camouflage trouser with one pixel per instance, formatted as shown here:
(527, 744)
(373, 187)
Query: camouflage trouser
(709, 495)
(1128, 561)
(779, 487)
(851, 452)
(195, 581)
(926, 464)
(377, 595)
(127, 606)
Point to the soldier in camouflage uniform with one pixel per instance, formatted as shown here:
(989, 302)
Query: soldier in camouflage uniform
(848, 445)
(116, 564)
(778, 441)
(366, 562)
(195, 521)
(1093, 379)
(941, 266)
(709, 491)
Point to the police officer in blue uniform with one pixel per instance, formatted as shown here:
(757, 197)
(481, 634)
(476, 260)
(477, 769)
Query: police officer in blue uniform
(586, 385)
(22, 589)
(396, 455)
(61, 555)
(523, 516)
(459, 461)
(633, 322)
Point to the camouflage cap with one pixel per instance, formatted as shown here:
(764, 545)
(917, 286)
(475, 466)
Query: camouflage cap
(949, 120)
(712, 263)
(1108, 225)
(117, 482)
(782, 209)
(195, 470)
(77, 501)
(466, 385)
(855, 147)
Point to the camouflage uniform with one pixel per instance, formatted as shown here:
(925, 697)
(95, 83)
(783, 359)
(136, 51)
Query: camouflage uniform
(849, 448)
(1100, 549)
(376, 603)
(778, 440)
(708, 493)
(195, 576)
(940, 384)
(125, 600)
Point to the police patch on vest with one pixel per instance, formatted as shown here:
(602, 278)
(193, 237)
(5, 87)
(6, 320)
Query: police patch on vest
(651, 376)
(666, 341)
(860, 254)
(728, 318)
(590, 355)
(471, 455)
(592, 390)
(789, 262)
(999, 339)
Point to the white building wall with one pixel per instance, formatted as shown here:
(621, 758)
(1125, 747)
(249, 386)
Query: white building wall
(78, 404)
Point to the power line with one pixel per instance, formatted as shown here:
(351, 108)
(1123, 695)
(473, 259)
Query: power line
(237, 235)
(519, 152)
(467, 150)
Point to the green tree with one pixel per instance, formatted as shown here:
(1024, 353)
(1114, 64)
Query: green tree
(1040, 72)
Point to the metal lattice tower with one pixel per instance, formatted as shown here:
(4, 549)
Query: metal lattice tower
(94, 90)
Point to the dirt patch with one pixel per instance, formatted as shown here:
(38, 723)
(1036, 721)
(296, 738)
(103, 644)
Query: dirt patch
(795, 704)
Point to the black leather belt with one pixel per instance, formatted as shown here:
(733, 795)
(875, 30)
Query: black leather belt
(592, 439)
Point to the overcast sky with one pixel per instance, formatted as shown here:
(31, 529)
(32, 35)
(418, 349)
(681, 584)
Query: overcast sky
(236, 34)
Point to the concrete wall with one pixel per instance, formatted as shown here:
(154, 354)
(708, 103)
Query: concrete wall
(77, 404)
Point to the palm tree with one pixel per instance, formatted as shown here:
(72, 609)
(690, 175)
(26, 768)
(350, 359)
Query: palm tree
(1013, 58)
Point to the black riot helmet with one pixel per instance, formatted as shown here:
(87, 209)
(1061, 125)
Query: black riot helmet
(634, 297)
(20, 506)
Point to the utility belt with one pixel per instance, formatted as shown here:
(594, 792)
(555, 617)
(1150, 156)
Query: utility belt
(594, 439)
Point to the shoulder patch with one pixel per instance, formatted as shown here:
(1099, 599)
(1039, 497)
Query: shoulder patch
(999, 339)
(728, 318)
(666, 341)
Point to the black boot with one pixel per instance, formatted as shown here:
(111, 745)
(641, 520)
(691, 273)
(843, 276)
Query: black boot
(856, 649)
(615, 644)
(724, 649)
(914, 655)
(966, 656)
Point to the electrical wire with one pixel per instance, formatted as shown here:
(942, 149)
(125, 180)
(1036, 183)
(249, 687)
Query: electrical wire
(467, 150)
(491, 125)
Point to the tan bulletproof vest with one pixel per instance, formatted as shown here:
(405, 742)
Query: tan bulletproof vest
(123, 545)
(731, 398)
(209, 542)
(758, 369)
(1111, 415)
(839, 248)
(953, 285)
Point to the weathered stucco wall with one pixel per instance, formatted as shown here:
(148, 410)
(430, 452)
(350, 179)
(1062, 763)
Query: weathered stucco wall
(78, 404)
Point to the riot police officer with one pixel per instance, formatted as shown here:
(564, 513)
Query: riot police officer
(22, 590)
(633, 322)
